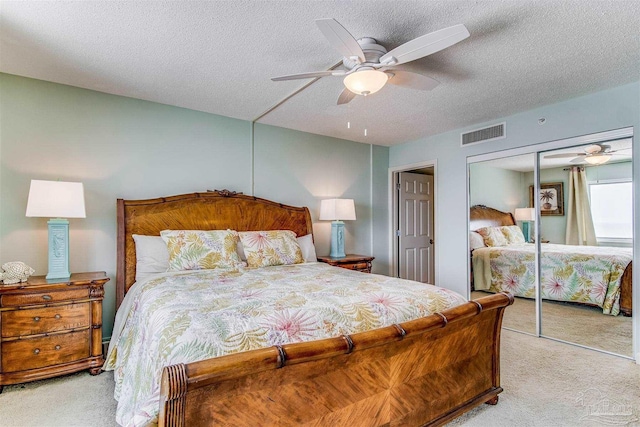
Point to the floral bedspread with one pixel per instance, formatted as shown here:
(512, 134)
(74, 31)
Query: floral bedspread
(183, 317)
(587, 274)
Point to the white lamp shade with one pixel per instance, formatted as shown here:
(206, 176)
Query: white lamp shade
(598, 159)
(525, 214)
(365, 82)
(337, 209)
(56, 199)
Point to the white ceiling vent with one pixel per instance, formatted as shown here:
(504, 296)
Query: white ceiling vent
(490, 133)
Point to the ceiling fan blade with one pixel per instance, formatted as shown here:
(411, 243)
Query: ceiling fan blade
(345, 96)
(411, 80)
(578, 160)
(310, 75)
(564, 155)
(425, 45)
(340, 38)
(619, 149)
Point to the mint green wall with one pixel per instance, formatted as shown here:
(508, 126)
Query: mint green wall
(315, 167)
(622, 170)
(126, 148)
(496, 187)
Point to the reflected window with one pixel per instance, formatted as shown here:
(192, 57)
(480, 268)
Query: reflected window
(611, 209)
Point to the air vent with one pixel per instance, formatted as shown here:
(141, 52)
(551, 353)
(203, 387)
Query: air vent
(483, 135)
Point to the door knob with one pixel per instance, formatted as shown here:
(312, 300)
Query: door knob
(431, 241)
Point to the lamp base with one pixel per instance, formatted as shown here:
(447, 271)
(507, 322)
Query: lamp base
(526, 232)
(58, 249)
(337, 239)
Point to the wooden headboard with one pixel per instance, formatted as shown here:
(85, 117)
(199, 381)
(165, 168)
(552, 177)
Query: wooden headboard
(483, 216)
(214, 210)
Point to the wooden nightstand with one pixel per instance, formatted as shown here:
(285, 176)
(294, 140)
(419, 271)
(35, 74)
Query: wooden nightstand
(51, 328)
(350, 262)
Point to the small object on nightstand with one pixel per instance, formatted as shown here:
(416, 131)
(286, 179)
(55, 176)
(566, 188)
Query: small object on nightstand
(350, 262)
(15, 272)
(51, 327)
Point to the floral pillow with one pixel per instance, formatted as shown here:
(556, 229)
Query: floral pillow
(493, 236)
(265, 248)
(513, 234)
(199, 250)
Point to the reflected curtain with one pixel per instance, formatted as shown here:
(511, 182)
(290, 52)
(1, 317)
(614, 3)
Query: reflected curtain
(580, 230)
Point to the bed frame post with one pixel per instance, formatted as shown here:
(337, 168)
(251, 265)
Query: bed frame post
(173, 392)
(120, 264)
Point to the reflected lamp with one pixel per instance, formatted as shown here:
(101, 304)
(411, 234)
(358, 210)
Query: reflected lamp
(57, 200)
(598, 159)
(526, 215)
(337, 210)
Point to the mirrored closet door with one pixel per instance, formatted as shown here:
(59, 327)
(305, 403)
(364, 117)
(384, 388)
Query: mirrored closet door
(502, 256)
(554, 227)
(586, 232)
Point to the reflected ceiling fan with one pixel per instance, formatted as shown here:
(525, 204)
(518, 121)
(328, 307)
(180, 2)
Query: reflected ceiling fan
(596, 154)
(369, 65)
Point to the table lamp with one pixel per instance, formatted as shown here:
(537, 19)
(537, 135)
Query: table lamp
(337, 210)
(526, 215)
(57, 200)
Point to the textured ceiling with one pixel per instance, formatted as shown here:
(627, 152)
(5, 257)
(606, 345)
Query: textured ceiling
(219, 56)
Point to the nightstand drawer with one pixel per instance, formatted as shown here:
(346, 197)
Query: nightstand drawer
(44, 297)
(20, 355)
(357, 266)
(34, 321)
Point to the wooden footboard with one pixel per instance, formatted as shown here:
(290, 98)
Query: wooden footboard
(626, 294)
(422, 372)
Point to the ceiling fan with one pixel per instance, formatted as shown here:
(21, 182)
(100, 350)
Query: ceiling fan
(369, 64)
(596, 154)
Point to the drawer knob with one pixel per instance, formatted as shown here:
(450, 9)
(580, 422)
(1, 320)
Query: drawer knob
(58, 347)
(46, 297)
(57, 316)
(36, 351)
(36, 319)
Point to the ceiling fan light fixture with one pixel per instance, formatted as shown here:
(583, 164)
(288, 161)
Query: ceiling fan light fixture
(365, 82)
(598, 159)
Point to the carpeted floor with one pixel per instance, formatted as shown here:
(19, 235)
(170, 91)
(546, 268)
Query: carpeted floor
(546, 383)
(573, 323)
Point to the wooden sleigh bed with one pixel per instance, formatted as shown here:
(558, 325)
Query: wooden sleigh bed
(483, 216)
(422, 372)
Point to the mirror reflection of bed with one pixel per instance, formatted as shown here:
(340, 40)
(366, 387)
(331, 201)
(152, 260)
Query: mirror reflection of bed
(586, 289)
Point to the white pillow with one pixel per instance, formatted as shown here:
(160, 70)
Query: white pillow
(475, 241)
(152, 256)
(305, 242)
(308, 248)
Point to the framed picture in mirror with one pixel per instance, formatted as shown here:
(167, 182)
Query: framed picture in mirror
(551, 198)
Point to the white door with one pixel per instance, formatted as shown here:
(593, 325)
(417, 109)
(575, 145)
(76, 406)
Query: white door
(415, 219)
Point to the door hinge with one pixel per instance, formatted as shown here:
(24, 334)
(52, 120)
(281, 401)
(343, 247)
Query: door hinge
(398, 186)
(398, 233)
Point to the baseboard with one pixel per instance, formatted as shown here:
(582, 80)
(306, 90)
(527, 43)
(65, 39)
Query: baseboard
(105, 346)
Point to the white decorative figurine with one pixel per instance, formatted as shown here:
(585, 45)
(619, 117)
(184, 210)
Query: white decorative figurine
(15, 272)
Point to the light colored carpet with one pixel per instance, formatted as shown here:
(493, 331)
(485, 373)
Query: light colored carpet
(573, 323)
(543, 382)
(76, 400)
